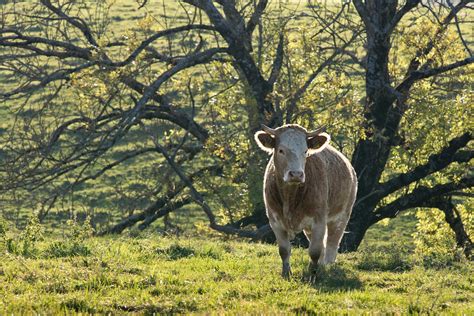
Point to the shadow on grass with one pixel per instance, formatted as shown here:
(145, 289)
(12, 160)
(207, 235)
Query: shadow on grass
(180, 307)
(332, 278)
(393, 259)
(175, 252)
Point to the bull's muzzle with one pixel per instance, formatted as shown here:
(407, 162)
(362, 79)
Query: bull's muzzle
(293, 176)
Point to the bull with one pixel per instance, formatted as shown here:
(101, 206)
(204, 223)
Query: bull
(308, 186)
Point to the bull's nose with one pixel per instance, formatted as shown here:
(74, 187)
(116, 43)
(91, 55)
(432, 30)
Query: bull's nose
(296, 176)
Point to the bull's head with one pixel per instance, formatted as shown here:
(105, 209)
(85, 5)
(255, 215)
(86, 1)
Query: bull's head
(290, 146)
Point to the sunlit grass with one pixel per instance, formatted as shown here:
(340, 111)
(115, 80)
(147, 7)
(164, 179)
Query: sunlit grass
(156, 274)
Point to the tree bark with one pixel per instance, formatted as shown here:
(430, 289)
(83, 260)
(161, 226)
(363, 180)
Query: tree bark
(256, 162)
(356, 228)
(375, 147)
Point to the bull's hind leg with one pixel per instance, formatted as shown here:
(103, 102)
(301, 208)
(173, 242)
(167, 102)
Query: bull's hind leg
(284, 248)
(337, 226)
(335, 232)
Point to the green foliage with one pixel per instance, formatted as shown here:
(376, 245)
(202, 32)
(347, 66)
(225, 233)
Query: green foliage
(435, 244)
(437, 110)
(74, 242)
(25, 243)
(80, 232)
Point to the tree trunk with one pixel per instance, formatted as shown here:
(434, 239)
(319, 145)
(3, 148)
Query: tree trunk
(256, 161)
(371, 154)
(355, 230)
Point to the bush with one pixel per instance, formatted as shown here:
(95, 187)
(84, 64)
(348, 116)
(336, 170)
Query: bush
(73, 245)
(435, 244)
(25, 243)
(79, 232)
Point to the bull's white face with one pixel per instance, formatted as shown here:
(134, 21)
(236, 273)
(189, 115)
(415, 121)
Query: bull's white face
(291, 146)
(290, 156)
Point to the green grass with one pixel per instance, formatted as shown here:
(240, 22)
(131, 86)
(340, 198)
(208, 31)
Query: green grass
(151, 274)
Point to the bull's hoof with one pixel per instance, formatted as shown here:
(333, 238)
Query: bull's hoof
(312, 279)
(313, 268)
(315, 272)
(286, 273)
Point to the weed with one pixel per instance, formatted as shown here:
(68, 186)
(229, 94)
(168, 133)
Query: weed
(78, 305)
(59, 249)
(25, 243)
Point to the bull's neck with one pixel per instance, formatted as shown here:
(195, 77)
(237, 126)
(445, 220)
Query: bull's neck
(289, 193)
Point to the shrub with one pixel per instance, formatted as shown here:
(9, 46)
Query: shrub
(25, 243)
(79, 232)
(73, 244)
(435, 244)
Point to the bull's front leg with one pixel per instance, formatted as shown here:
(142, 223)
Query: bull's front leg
(317, 244)
(284, 248)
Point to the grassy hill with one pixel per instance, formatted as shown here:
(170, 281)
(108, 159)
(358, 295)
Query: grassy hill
(150, 274)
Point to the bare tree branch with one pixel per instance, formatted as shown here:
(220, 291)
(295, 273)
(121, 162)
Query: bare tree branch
(170, 207)
(436, 162)
(301, 90)
(153, 38)
(75, 21)
(409, 5)
(157, 207)
(192, 60)
(278, 61)
(423, 74)
(418, 197)
(256, 16)
(415, 62)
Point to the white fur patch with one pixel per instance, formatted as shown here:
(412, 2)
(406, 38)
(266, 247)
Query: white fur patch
(260, 144)
(294, 140)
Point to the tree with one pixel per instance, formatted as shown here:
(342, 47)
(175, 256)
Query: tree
(157, 83)
(386, 105)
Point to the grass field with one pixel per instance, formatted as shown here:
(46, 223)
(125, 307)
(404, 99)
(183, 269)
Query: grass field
(148, 273)
(201, 272)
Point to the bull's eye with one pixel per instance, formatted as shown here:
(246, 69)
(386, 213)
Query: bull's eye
(280, 151)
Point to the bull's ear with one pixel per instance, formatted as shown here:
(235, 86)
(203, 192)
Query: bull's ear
(318, 142)
(265, 141)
